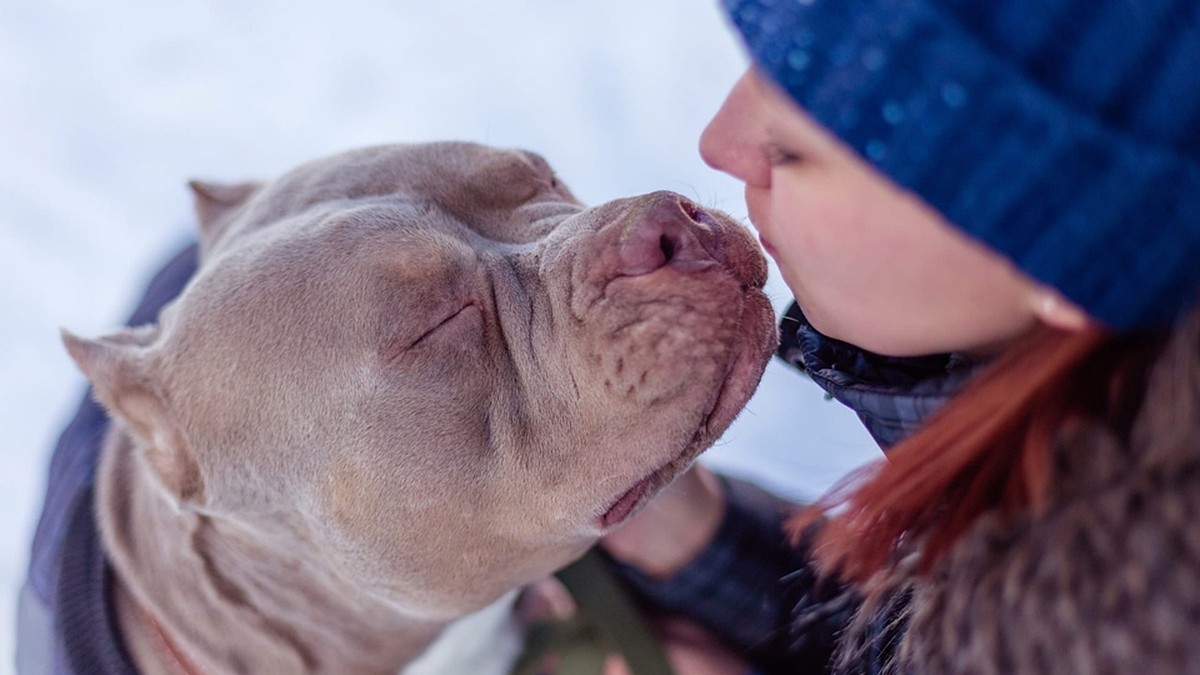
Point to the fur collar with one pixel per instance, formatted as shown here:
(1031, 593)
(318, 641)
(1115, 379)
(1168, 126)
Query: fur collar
(1107, 580)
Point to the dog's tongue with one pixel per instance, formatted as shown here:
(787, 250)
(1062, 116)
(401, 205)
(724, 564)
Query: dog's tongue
(625, 505)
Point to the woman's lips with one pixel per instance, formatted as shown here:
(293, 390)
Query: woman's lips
(766, 245)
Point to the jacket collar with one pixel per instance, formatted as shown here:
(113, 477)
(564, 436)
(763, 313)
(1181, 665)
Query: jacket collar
(87, 617)
(892, 396)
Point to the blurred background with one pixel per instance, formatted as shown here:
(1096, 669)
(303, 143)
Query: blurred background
(106, 109)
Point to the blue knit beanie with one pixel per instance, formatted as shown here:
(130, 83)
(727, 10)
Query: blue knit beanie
(1065, 134)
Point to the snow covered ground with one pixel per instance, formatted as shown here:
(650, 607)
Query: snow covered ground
(107, 108)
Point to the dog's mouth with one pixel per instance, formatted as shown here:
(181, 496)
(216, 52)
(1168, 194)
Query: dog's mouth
(635, 497)
(742, 375)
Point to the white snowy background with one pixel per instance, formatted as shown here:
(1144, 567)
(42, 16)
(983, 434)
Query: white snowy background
(106, 108)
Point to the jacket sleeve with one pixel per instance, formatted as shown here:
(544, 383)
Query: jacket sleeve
(752, 587)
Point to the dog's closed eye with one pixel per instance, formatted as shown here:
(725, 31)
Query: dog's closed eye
(462, 318)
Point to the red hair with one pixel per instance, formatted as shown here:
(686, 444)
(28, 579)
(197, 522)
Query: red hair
(988, 449)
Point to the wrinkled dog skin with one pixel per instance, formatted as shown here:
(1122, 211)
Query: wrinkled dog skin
(404, 381)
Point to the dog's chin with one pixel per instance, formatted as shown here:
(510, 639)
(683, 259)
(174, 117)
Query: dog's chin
(632, 500)
(733, 393)
(745, 369)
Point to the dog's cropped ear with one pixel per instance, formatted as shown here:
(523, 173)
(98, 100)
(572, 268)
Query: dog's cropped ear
(120, 372)
(214, 202)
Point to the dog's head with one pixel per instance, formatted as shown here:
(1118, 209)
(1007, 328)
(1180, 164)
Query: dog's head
(439, 369)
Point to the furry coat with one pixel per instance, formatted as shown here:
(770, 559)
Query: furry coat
(1107, 578)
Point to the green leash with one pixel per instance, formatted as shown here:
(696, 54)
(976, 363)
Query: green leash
(607, 619)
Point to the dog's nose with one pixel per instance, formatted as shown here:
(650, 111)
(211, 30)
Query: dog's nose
(668, 229)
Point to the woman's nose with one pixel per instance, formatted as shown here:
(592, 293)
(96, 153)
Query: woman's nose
(732, 141)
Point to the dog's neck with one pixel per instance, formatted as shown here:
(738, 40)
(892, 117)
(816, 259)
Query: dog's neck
(230, 602)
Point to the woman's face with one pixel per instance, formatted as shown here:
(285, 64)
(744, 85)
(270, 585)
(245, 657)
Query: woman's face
(869, 263)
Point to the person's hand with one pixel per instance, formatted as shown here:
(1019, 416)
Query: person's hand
(673, 528)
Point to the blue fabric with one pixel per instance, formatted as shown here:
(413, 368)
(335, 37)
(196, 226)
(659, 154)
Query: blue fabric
(84, 611)
(68, 574)
(1065, 134)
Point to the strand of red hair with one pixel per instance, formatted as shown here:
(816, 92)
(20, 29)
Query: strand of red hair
(988, 450)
